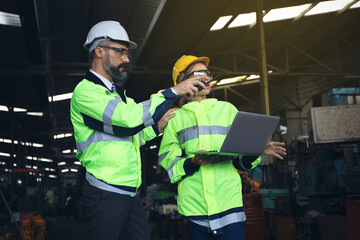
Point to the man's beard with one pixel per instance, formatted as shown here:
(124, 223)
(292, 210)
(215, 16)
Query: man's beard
(119, 77)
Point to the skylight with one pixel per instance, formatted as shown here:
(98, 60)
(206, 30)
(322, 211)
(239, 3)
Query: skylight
(328, 6)
(243, 20)
(291, 12)
(285, 13)
(10, 19)
(356, 5)
(221, 22)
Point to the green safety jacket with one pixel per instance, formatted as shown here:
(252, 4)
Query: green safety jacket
(209, 195)
(109, 129)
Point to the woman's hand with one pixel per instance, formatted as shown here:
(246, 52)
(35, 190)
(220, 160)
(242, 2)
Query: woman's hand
(275, 149)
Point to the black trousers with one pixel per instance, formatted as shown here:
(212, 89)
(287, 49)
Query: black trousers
(113, 216)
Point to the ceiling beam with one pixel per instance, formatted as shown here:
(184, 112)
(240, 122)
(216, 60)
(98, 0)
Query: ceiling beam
(150, 29)
(311, 57)
(29, 25)
(166, 72)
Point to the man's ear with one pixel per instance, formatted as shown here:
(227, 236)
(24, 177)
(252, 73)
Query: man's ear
(99, 52)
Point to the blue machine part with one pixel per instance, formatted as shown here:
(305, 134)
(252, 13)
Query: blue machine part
(256, 174)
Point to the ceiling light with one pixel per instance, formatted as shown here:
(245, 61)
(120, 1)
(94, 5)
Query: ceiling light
(243, 20)
(16, 109)
(35, 113)
(231, 80)
(77, 163)
(66, 151)
(285, 13)
(10, 19)
(37, 145)
(64, 170)
(6, 140)
(61, 163)
(4, 108)
(45, 160)
(221, 22)
(4, 154)
(73, 170)
(62, 135)
(60, 97)
(328, 6)
(52, 176)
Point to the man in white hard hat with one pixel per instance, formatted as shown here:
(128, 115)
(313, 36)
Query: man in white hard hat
(109, 129)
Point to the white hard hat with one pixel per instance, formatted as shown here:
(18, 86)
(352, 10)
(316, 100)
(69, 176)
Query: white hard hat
(110, 30)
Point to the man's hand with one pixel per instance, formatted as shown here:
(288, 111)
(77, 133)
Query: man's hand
(199, 160)
(275, 149)
(188, 86)
(164, 120)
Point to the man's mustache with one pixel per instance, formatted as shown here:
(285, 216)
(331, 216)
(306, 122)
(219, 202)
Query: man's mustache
(123, 65)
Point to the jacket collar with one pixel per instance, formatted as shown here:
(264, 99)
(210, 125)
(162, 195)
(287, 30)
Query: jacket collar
(207, 103)
(91, 77)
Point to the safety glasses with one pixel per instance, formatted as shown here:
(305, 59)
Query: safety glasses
(199, 73)
(121, 51)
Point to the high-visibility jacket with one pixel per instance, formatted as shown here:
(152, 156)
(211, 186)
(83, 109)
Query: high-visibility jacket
(109, 129)
(209, 195)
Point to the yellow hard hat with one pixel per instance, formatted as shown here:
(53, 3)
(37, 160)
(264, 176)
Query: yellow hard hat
(183, 63)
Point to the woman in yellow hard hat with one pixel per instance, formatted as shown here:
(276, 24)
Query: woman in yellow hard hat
(209, 195)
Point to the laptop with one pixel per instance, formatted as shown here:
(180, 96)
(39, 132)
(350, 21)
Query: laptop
(248, 135)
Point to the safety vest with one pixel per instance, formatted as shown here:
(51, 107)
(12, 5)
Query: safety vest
(109, 131)
(212, 195)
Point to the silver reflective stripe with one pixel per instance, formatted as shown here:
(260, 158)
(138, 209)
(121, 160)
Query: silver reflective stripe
(193, 132)
(140, 139)
(104, 186)
(170, 168)
(162, 156)
(147, 118)
(99, 137)
(226, 220)
(204, 223)
(107, 115)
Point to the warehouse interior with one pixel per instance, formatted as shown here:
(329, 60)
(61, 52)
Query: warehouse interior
(308, 58)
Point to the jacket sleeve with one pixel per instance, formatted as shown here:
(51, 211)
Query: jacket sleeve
(172, 158)
(105, 112)
(147, 134)
(246, 162)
